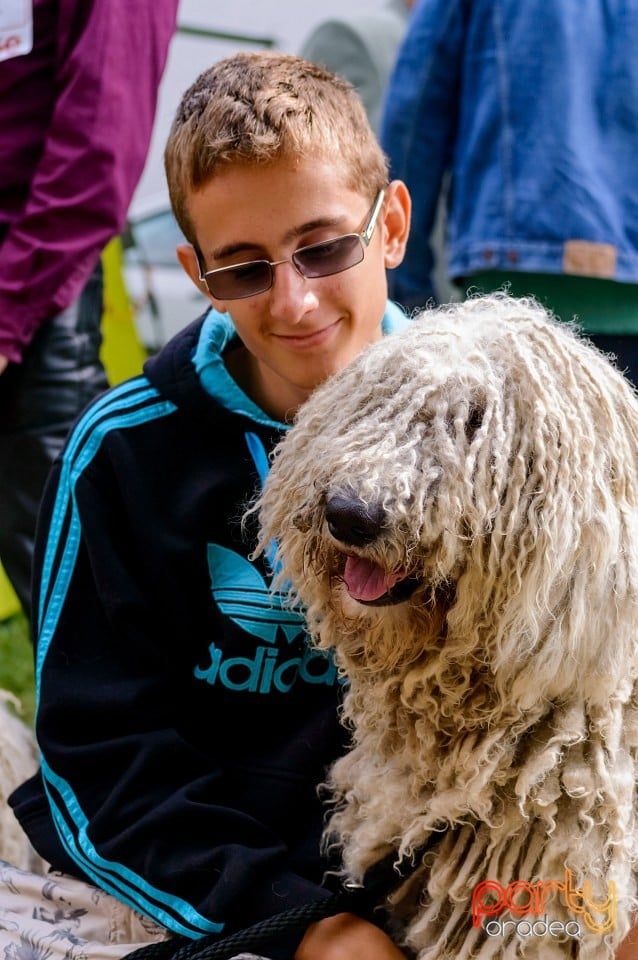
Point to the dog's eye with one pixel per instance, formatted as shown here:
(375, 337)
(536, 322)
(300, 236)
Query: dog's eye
(301, 522)
(473, 422)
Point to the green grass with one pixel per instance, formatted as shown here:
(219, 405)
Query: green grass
(16, 663)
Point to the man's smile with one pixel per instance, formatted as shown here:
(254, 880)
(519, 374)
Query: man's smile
(310, 338)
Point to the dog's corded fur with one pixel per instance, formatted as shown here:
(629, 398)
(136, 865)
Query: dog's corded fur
(492, 458)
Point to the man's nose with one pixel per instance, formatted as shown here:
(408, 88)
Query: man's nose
(291, 294)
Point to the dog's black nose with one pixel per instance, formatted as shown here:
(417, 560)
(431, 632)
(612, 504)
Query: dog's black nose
(351, 521)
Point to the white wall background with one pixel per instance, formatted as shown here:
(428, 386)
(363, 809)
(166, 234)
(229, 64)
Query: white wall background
(285, 21)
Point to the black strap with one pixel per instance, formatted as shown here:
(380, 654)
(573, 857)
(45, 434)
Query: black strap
(250, 939)
(380, 879)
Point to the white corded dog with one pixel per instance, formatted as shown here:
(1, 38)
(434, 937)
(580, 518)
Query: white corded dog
(457, 511)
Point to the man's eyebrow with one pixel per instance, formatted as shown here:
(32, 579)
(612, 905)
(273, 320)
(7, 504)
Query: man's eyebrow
(320, 223)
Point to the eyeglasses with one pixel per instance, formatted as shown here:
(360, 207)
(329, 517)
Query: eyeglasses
(318, 260)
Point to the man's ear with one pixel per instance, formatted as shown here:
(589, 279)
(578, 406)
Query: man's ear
(397, 210)
(188, 259)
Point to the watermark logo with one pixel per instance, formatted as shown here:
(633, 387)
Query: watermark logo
(521, 897)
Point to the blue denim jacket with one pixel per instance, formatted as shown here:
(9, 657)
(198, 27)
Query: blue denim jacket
(530, 107)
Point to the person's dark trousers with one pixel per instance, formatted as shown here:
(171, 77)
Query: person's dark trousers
(39, 400)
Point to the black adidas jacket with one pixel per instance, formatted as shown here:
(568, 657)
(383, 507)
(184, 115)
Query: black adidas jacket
(184, 723)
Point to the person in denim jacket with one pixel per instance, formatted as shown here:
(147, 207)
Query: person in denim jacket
(531, 112)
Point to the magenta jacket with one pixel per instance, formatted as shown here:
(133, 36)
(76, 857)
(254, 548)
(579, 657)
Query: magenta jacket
(76, 115)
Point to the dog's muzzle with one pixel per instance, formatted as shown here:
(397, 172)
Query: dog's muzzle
(355, 524)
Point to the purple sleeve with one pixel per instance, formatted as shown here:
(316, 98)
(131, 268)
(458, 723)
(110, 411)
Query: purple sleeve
(109, 61)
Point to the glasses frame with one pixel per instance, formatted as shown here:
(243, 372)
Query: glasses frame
(365, 236)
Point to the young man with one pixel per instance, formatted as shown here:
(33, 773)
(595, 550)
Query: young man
(183, 720)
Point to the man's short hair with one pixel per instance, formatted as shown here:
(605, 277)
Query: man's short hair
(256, 108)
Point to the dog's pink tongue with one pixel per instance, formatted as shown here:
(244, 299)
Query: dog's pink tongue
(367, 581)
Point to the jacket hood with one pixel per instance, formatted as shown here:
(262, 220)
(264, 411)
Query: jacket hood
(189, 370)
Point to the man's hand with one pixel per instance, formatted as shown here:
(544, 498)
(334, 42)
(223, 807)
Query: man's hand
(3, 363)
(346, 937)
(628, 949)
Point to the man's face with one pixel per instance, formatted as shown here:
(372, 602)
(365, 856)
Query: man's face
(301, 330)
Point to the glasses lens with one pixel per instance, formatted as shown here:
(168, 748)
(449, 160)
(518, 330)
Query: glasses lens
(332, 256)
(244, 280)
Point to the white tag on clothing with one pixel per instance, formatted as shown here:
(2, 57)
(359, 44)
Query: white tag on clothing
(16, 28)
